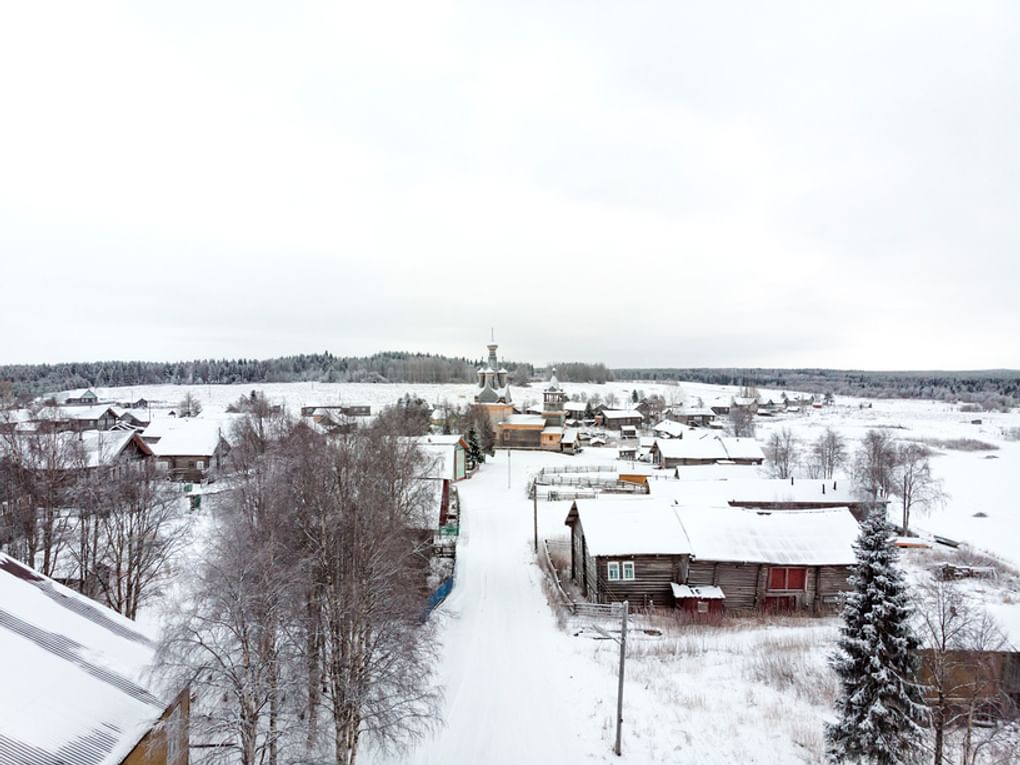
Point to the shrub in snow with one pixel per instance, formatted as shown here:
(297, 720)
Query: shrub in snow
(880, 709)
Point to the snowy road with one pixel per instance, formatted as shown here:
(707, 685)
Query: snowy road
(509, 673)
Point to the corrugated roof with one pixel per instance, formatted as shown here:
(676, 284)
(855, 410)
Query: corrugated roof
(71, 690)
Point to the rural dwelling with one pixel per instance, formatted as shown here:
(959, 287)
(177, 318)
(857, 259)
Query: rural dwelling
(102, 452)
(75, 418)
(520, 431)
(570, 442)
(706, 448)
(74, 681)
(671, 429)
(986, 680)
(791, 494)
(189, 449)
(575, 409)
(642, 549)
(696, 417)
(614, 419)
(86, 397)
(447, 456)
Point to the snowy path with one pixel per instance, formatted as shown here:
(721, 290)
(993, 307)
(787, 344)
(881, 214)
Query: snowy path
(508, 672)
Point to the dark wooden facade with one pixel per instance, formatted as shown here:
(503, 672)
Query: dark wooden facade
(747, 586)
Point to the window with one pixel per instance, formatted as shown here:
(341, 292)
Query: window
(787, 578)
(628, 570)
(613, 571)
(200, 464)
(702, 607)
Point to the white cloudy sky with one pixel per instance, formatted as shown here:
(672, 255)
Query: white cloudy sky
(823, 184)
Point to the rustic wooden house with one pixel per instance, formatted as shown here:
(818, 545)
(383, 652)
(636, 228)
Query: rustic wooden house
(986, 681)
(85, 397)
(192, 449)
(520, 431)
(695, 417)
(614, 419)
(639, 548)
(669, 428)
(570, 442)
(706, 448)
(77, 689)
(793, 494)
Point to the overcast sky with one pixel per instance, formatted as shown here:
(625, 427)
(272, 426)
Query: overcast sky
(644, 184)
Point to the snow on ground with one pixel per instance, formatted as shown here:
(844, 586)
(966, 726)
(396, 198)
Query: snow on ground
(521, 689)
(975, 481)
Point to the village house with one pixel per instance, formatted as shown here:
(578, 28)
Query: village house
(652, 552)
(575, 410)
(697, 417)
(614, 419)
(74, 681)
(706, 448)
(81, 397)
(189, 449)
(670, 429)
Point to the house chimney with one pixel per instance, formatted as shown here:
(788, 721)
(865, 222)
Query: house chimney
(791, 480)
(833, 485)
(823, 488)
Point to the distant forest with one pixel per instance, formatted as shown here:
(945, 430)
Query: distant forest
(992, 389)
(394, 366)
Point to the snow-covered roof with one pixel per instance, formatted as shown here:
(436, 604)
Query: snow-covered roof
(552, 430)
(700, 446)
(649, 526)
(794, 537)
(525, 419)
(801, 491)
(632, 526)
(621, 414)
(704, 592)
(569, 436)
(575, 406)
(185, 436)
(672, 428)
(72, 688)
(88, 448)
(440, 455)
(742, 448)
(707, 445)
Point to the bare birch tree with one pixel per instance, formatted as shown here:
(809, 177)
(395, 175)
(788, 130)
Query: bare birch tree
(875, 464)
(782, 450)
(913, 482)
(828, 454)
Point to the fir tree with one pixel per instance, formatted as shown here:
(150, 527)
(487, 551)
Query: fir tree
(475, 453)
(879, 707)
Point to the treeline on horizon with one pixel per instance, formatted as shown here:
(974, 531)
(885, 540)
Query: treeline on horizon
(993, 388)
(390, 366)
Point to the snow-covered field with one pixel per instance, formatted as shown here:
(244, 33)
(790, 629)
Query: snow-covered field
(976, 482)
(521, 687)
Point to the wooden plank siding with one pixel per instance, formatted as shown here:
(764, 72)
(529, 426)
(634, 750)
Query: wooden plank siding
(745, 585)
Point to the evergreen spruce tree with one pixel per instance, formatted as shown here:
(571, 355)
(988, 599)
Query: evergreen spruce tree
(475, 453)
(879, 706)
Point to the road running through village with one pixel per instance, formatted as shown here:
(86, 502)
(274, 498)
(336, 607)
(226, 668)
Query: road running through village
(517, 689)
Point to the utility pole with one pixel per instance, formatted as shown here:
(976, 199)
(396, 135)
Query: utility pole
(623, 661)
(534, 514)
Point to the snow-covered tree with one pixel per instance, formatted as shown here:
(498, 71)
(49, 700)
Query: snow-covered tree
(475, 453)
(880, 709)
